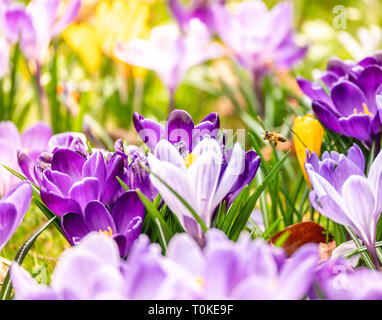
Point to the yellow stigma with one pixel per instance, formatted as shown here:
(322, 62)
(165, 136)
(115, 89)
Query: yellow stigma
(200, 282)
(108, 232)
(365, 110)
(189, 160)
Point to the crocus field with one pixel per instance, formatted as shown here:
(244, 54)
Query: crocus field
(191, 150)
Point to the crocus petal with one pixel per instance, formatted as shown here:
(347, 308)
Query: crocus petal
(9, 134)
(84, 191)
(74, 227)
(8, 217)
(328, 118)
(36, 137)
(98, 218)
(148, 130)
(68, 162)
(346, 97)
(355, 154)
(128, 213)
(357, 126)
(179, 126)
(59, 205)
(165, 151)
(67, 18)
(298, 273)
(95, 167)
(360, 204)
(345, 168)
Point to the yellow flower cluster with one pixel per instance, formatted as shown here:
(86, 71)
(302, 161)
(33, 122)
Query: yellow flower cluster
(98, 33)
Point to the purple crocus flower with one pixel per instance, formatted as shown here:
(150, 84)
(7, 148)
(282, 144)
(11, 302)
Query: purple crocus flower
(37, 24)
(244, 269)
(123, 223)
(198, 9)
(179, 129)
(249, 34)
(200, 180)
(222, 270)
(353, 105)
(336, 280)
(335, 167)
(135, 161)
(170, 53)
(90, 270)
(31, 143)
(13, 207)
(357, 201)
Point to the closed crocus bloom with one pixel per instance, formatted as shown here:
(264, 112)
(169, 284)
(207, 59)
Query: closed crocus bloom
(307, 133)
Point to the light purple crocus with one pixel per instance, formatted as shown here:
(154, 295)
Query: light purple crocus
(13, 207)
(244, 269)
(37, 24)
(336, 280)
(198, 9)
(335, 167)
(224, 269)
(200, 180)
(31, 143)
(351, 103)
(357, 201)
(170, 53)
(90, 270)
(250, 35)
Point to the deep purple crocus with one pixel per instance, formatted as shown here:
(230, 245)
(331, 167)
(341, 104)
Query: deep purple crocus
(198, 9)
(250, 35)
(346, 99)
(179, 129)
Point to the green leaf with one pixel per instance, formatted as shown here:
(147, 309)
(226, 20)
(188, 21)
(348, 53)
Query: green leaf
(6, 289)
(242, 219)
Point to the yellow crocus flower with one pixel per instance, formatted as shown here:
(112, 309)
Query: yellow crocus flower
(307, 133)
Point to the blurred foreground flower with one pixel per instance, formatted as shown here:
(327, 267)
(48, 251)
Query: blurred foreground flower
(29, 145)
(307, 134)
(223, 270)
(170, 53)
(249, 33)
(346, 98)
(4, 56)
(13, 207)
(347, 196)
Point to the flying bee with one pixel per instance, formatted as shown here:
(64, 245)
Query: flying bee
(275, 137)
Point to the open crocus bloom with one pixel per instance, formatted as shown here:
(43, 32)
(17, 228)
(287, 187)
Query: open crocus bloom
(357, 201)
(353, 107)
(200, 179)
(249, 33)
(31, 143)
(170, 53)
(13, 207)
(335, 167)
